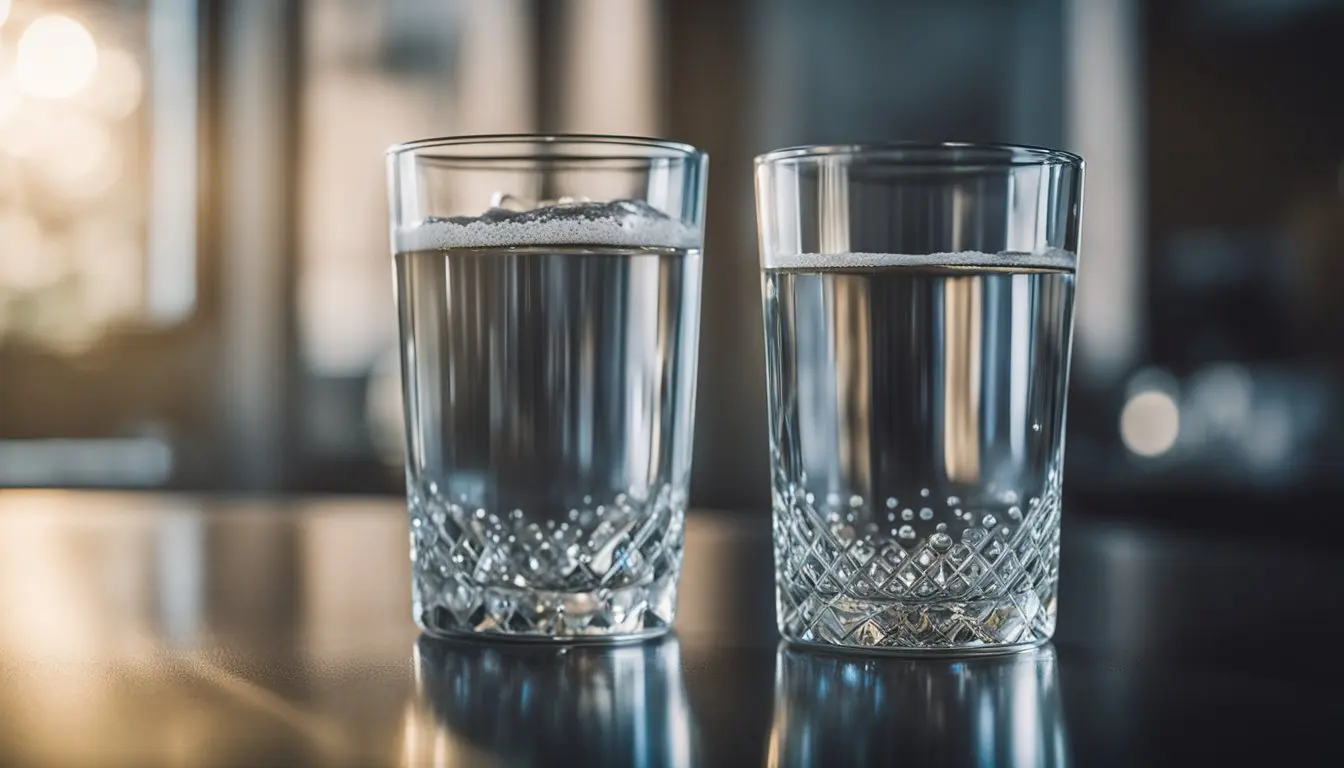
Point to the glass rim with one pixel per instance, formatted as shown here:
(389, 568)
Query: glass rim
(653, 148)
(926, 153)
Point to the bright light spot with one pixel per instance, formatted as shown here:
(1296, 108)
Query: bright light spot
(56, 58)
(1150, 423)
(4, 11)
(118, 86)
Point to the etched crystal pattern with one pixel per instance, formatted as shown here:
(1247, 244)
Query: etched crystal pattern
(605, 570)
(980, 586)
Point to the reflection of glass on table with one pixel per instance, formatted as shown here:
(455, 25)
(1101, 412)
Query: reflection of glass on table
(531, 705)
(832, 709)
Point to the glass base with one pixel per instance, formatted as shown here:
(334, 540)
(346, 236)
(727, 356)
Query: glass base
(606, 616)
(1003, 624)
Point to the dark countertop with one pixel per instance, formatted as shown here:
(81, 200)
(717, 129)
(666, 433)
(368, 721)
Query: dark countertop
(164, 630)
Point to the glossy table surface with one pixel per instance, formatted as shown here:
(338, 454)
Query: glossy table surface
(161, 630)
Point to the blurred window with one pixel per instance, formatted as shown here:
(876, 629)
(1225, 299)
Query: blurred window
(98, 256)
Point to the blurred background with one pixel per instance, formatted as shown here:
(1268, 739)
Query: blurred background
(194, 272)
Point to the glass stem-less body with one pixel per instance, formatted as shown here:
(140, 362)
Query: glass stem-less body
(548, 291)
(550, 393)
(916, 428)
(919, 305)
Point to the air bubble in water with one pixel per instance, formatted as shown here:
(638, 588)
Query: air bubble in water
(891, 502)
(907, 514)
(941, 527)
(989, 521)
(856, 501)
(1015, 513)
(508, 202)
(924, 492)
(907, 532)
(516, 514)
(940, 541)
(926, 514)
(953, 501)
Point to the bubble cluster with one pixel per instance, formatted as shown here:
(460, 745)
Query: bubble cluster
(570, 549)
(970, 518)
(632, 223)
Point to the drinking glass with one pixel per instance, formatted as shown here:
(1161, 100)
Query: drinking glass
(548, 290)
(918, 303)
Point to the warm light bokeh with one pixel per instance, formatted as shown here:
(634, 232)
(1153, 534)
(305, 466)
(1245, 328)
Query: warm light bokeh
(72, 87)
(56, 58)
(118, 86)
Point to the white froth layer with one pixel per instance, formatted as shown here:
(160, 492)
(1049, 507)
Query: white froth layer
(1053, 259)
(635, 232)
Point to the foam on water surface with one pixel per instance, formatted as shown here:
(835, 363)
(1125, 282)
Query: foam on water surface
(1050, 259)
(632, 223)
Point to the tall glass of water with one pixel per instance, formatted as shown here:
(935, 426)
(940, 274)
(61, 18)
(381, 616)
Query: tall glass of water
(548, 289)
(919, 318)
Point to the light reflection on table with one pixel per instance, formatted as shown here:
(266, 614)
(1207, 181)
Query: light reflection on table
(160, 630)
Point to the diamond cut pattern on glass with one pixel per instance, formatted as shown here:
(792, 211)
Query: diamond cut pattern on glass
(986, 589)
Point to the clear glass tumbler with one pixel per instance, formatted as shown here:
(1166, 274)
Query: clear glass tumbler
(548, 289)
(918, 305)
